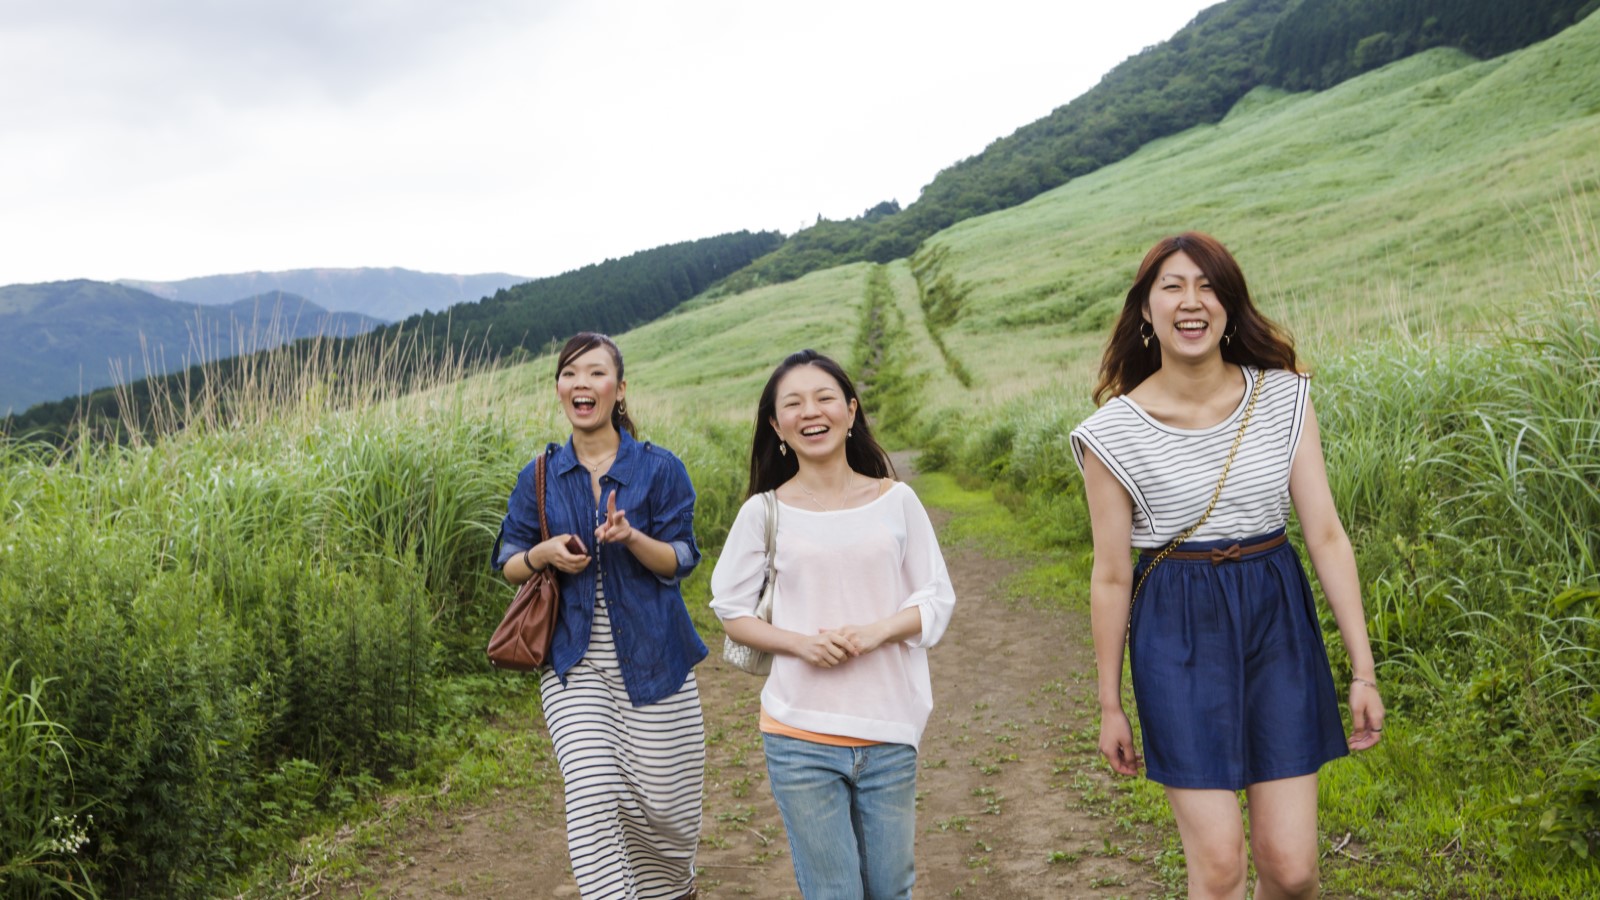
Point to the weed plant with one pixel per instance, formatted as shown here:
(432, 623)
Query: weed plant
(42, 821)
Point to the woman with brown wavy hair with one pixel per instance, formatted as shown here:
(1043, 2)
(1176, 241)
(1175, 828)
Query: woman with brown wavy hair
(1204, 440)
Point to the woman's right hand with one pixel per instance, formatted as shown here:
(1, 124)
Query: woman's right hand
(1116, 743)
(823, 650)
(557, 552)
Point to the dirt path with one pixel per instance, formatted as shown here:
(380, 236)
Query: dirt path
(1006, 760)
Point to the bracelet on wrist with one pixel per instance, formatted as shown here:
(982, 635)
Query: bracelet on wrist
(1366, 681)
(525, 561)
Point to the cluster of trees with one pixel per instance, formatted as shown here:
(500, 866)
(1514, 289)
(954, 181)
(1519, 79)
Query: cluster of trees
(1192, 79)
(1319, 43)
(611, 296)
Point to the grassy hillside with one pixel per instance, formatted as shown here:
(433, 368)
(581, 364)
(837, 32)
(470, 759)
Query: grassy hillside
(1405, 198)
(1194, 77)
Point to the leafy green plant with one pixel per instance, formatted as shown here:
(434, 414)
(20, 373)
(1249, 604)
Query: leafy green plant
(43, 826)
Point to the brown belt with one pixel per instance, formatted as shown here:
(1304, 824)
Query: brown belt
(1219, 554)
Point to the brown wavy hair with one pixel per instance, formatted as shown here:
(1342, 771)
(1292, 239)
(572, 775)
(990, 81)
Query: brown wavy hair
(582, 343)
(769, 468)
(1254, 339)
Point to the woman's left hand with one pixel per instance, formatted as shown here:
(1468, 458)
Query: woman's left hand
(615, 529)
(861, 638)
(1366, 715)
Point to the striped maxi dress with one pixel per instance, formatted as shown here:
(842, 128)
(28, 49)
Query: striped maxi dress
(634, 775)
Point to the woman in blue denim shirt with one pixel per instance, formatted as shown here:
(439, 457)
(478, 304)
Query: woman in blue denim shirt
(619, 692)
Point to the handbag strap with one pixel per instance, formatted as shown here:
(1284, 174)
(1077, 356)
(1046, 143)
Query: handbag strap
(1255, 392)
(538, 491)
(771, 500)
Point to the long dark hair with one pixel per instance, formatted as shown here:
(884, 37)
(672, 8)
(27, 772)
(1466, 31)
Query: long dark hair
(1254, 340)
(769, 468)
(582, 343)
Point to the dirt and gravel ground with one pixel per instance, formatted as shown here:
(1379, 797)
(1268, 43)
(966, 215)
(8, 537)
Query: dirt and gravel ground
(1007, 761)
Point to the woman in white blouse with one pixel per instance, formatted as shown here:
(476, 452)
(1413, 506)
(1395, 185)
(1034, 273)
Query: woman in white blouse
(862, 592)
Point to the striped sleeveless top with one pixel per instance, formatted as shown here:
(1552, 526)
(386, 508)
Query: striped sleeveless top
(1171, 473)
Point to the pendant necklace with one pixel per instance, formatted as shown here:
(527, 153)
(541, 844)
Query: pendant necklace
(819, 502)
(596, 464)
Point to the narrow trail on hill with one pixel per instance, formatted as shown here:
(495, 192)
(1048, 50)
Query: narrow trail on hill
(1006, 763)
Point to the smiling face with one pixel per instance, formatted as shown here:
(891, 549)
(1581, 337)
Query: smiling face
(1183, 310)
(813, 415)
(588, 389)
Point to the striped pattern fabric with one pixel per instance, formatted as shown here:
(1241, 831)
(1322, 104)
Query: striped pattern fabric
(633, 775)
(1171, 473)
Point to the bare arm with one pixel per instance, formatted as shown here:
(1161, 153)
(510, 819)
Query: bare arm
(902, 626)
(1110, 592)
(824, 650)
(1335, 563)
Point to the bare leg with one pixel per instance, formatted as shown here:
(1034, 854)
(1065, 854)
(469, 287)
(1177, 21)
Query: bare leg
(1212, 829)
(1283, 837)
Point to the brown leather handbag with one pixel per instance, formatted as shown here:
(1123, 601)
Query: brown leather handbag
(522, 641)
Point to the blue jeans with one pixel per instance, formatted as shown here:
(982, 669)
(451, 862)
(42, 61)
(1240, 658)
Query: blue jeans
(851, 814)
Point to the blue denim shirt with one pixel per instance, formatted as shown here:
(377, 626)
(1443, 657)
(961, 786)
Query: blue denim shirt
(656, 642)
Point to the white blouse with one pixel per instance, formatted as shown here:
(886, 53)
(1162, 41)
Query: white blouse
(847, 567)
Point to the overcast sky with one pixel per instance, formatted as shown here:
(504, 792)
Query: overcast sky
(165, 139)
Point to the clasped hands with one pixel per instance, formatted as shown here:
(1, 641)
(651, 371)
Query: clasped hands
(830, 647)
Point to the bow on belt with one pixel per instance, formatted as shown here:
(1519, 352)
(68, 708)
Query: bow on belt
(1218, 556)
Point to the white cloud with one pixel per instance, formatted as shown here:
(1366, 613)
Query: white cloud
(168, 139)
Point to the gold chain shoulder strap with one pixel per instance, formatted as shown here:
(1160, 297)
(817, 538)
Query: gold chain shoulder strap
(1255, 391)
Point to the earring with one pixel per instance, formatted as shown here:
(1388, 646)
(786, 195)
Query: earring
(622, 407)
(1227, 336)
(783, 449)
(1145, 338)
(849, 432)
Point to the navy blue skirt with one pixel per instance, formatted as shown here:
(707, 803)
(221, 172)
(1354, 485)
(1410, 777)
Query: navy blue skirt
(1230, 672)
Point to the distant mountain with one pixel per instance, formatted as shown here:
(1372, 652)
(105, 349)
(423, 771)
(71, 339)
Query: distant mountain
(613, 295)
(67, 337)
(389, 294)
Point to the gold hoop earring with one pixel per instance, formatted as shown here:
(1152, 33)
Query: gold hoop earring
(1227, 336)
(622, 407)
(1145, 338)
